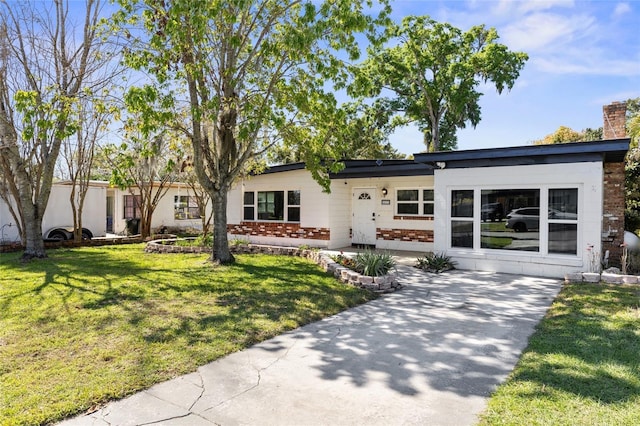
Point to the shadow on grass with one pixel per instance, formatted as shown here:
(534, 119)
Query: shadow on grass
(588, 346)
(259, 299)
(71, 274)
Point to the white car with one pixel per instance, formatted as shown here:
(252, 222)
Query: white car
(528, 218)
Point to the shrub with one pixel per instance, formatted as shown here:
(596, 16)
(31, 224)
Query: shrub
(200, 241)
(238, 242)
(435, 262)
(374, 264)
(204, 240)
(345, 261)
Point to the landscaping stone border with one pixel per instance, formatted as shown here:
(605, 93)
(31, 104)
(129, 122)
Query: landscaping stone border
(383, 284)
(94, 242)
(606, 277)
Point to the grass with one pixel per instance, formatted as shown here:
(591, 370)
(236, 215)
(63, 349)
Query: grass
(88, 325)
(582, 365)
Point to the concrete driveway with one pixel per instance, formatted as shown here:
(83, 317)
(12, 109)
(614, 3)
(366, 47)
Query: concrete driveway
(429, 354)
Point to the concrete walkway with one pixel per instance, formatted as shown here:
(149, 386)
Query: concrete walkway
(429, 354)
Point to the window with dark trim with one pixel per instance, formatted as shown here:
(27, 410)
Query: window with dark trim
(462, 218)
(249, 201)
(272, 206)
(563, 221)
(185, 207)
(414, 202)
(132, 205)
(293, 206)
(528, 219)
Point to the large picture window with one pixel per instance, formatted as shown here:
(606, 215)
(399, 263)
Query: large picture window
(510, 219)
(272, 206)
(414, 202)
(185, 207)
(542, 220)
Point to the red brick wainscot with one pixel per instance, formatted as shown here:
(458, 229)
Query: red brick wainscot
(279, 230)
(410, 235)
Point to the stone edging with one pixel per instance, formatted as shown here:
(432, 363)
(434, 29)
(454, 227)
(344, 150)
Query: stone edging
(594, 277)
(384, 284)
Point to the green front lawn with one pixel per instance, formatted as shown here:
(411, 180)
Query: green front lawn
(88, 325)
(582, 366)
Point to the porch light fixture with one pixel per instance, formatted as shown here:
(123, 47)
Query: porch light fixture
(384, 192)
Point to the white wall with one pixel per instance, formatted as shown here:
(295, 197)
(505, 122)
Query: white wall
(8, 229)
(59, 213)
(340, 213)
(164, 214)
(385, 213)
(334, 210)
(315, 205)
(587, 177)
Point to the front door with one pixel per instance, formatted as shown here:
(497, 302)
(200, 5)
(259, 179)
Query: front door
(363, 226)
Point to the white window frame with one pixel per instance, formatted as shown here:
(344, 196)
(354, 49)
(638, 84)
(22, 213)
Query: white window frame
(182, 210)
(286, 205)
(420, 202)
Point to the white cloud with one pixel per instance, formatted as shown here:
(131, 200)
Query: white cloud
(621, 10)
(528, 6)
(588, 65)
(518, 7)
(546, 31)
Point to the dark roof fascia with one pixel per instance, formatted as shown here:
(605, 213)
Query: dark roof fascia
(365, 168)
(408, 169)
(608, 151)
(281, 168)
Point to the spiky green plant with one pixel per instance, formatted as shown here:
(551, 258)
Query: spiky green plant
(374, 264)
(435, 262)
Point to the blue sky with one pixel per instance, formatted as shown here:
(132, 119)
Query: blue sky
(582, 55)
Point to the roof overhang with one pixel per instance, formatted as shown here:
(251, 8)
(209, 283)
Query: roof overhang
(609, 151)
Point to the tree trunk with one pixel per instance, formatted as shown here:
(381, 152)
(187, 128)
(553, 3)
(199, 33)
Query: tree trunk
(221, 253)
(34, 244)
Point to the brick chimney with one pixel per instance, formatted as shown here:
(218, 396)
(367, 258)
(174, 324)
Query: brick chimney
(614, 117)
(613, 202)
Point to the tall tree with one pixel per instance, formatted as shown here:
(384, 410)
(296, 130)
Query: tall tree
(255, 72)
(434, 69)
(632, 168)
(78, 153)
(146, 163)
(203, 200)
(46, 62)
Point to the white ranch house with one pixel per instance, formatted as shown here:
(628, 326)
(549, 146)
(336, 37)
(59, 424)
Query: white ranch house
(435, 203)
(561, 206)
(541, 210)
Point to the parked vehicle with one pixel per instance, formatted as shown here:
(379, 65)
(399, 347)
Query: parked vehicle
(492, 212)
(528, 218)
(65, 233)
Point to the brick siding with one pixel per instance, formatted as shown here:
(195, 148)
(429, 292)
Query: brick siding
(279, 230)
(613, 212)
(614, 117)
(409, 235)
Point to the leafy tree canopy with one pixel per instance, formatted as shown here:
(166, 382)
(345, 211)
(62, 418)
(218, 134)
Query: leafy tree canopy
(433, 71)
(249, 74)
(566, 134)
